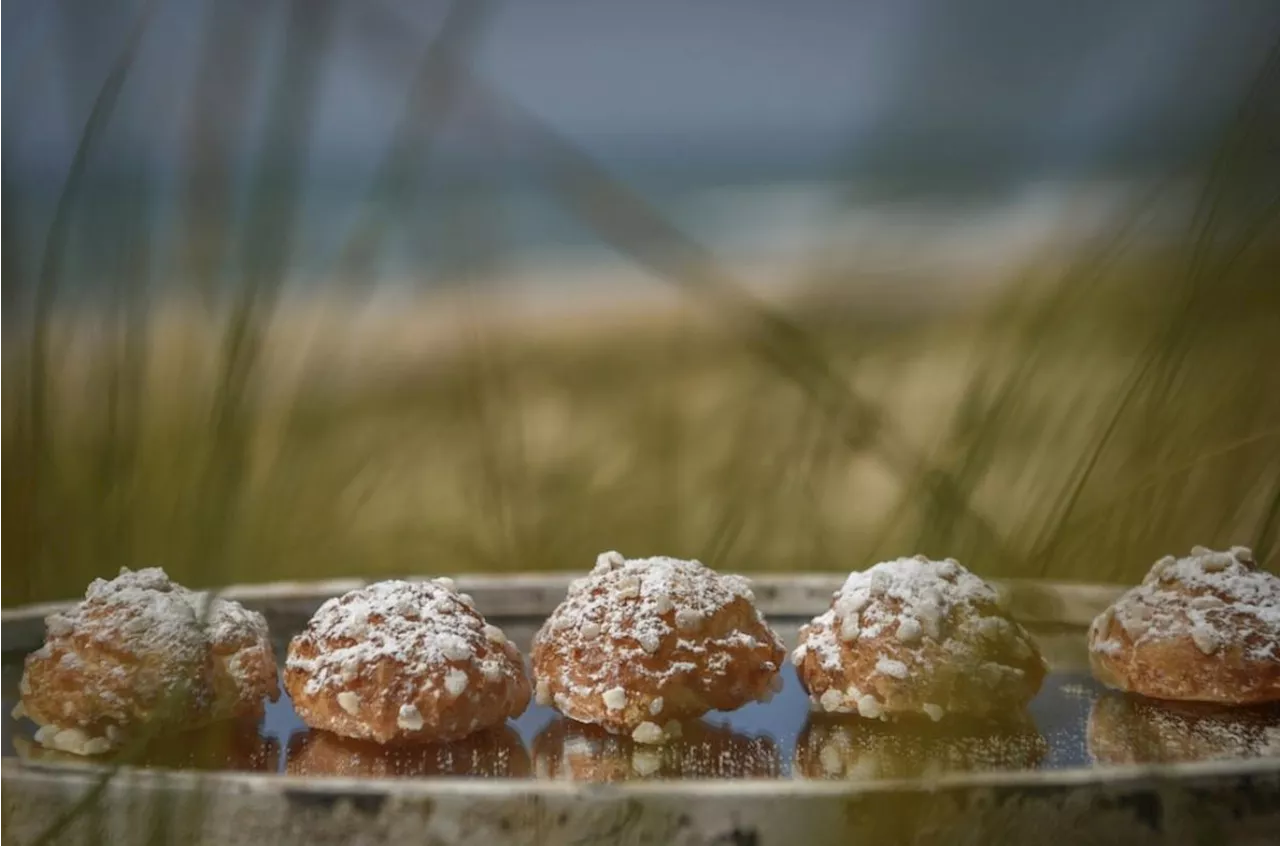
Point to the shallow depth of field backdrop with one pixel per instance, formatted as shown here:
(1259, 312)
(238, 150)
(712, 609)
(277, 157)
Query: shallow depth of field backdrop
(303, 289)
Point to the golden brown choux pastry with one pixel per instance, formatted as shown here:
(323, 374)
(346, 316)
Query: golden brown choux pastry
(399, 662)
(1205, 628)
(141, 651)
(639, 645)
(916, 636)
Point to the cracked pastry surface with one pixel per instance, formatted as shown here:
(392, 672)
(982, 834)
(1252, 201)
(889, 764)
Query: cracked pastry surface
(917, 636)
(143, 650)
(403, 661)
(639, 645)
(1204, 628)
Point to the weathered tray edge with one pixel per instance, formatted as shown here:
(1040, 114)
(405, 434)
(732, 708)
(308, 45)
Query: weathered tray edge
(1185, 803)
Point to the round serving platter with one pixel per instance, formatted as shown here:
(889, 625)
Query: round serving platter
(768, 773)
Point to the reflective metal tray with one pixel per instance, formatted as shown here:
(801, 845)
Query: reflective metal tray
(765, 773)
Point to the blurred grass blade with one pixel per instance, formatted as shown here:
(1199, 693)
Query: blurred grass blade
(432, 95)
(128, 263)
(14, 261)
(1233, 161)
(218, 114)
(629, 224)
(268, 236)
(35, 465)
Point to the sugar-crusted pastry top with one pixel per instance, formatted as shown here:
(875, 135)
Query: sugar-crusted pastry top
(916, 600)
(631, 609)
(144, 612)
(1215, 598)
(640, 643)
(119, 656)
(423, 628)
(138, 611)
(914, 634)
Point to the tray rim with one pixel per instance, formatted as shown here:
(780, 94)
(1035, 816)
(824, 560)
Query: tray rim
(85, 776)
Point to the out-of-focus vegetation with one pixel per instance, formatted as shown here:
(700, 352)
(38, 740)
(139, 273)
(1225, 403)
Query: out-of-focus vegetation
(1068, 429)
(1075, 421)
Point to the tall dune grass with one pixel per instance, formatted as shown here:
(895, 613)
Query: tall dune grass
(1078, 423)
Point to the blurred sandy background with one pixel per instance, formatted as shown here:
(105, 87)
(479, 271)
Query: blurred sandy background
(296, 290)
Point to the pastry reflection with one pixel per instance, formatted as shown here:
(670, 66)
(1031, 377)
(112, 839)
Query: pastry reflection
(1127, 729)
(576, 751)
(495, 753)
(841, 747)
(227, 745)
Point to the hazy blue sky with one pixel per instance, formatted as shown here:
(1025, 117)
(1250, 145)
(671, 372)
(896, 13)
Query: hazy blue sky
(811, 107)
(819, 80)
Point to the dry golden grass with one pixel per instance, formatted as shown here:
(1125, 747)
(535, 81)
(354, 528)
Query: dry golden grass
(416, 444)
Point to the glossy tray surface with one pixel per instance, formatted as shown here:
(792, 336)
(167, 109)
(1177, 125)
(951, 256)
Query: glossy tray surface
(1099, 767)
(1072, 723)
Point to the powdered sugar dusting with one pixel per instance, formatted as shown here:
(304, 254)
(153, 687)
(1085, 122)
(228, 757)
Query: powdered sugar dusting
(1216, 598)
(635, 607)
(892, 668)
(913, 616)
(422, 627)
(144, 617)
(229, 625)
(635, 631)
(140, 612)
(913, 598)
